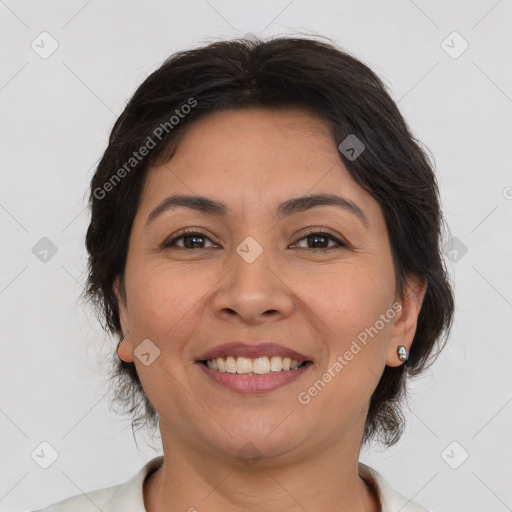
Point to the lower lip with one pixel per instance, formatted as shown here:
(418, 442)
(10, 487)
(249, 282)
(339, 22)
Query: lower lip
(254, 384)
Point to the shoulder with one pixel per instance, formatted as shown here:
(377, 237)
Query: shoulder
(102, 499)
(391, 500)
(127, 496)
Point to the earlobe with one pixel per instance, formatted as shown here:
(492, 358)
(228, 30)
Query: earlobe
(406, 321)
(123, 350)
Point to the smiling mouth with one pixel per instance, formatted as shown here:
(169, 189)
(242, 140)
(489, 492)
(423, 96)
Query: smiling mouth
(254, 366)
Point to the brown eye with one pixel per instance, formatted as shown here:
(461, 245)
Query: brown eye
(317, 240)
(191, 240)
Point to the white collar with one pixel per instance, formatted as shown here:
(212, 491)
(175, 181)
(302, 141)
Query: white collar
(129, 497)
(390, 500)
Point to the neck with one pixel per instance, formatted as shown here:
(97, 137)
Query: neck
(190, 479)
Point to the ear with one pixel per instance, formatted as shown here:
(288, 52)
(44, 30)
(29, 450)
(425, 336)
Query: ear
(406, 319)
(125, 350)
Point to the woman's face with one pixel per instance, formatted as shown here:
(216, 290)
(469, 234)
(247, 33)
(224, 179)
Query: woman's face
(255, 273)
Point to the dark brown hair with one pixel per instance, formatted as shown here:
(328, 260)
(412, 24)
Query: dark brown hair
(276, 73)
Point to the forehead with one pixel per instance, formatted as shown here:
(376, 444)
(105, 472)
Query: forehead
(242, 138)
(255, 156)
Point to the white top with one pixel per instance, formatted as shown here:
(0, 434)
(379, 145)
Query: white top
(128, 497)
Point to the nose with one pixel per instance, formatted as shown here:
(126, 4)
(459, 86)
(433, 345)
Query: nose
(253, 291)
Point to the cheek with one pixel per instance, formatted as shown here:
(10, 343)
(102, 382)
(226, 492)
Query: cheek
(348, 300)
(348, 309)
(363, 346)
(164, 298)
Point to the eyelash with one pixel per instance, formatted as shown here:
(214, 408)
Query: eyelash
(191, 232)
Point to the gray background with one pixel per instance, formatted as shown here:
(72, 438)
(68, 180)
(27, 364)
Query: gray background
(56, 114)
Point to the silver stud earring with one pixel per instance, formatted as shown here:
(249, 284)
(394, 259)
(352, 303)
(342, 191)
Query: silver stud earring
(402, 353)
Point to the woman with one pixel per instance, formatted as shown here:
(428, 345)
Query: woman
(265, 240)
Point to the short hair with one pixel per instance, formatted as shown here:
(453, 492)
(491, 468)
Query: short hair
(279, 72)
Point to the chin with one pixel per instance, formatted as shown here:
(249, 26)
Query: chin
(254, 438)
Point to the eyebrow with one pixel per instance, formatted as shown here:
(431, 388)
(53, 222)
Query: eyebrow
(286, 208)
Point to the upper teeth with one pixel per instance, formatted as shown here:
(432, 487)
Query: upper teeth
(257, 366)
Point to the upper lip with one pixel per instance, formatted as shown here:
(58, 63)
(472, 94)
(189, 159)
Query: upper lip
(252, 351)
